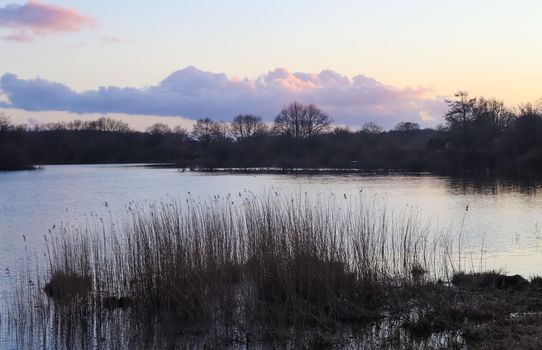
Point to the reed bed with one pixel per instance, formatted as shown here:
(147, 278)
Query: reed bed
(298, 259)
(236, 264)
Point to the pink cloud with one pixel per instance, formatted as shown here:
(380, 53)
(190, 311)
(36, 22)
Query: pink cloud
(281, 77)
(39, 18)
(194, 93)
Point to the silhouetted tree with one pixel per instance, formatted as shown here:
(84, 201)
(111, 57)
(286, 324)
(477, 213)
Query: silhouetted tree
(340, 130)
(491, 116)
(289, 120)
(159, 129)
(5, 122)
(207, 130)
(76, 125)
(103, 124)
(529, 110)
(526, 133)
(245, 126)
(109, 125)
(480, 135)
(316, 122)
(181, 134)
(301, 121)
(407, 126)
(460, 113)
(372, 128)
(222, 131)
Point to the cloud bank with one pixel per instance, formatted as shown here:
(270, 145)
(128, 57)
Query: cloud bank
(194, 94)
(34, 17)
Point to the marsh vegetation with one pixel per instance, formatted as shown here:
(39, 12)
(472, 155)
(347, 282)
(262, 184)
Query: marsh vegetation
(264, 271)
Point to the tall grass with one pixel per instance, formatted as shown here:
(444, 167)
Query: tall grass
(208, 260)
(241, 262)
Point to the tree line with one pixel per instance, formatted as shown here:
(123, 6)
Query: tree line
(479, 135)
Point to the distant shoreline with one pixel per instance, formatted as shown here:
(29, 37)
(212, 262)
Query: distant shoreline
(303, 171)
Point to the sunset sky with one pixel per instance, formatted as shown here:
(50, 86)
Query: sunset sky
(177, 61)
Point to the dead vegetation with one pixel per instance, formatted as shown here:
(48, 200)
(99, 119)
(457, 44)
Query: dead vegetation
(257, 270)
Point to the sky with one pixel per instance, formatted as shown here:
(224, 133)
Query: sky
(176, 61)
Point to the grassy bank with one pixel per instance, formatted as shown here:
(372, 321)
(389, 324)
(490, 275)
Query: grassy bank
(257, 270)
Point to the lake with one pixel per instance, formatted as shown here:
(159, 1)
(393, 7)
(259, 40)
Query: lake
(499, 219)
(503, 217)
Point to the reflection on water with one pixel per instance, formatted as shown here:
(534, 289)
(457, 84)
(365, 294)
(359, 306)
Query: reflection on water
(115, 331)
(503, 215)
(498, 218)
(492, 186)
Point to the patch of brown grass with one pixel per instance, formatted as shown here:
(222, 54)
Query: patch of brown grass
(298, 261)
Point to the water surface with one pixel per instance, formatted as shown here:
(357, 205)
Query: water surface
(499, 218)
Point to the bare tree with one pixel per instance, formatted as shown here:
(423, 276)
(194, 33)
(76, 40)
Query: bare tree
(289, 120)
(51, 126)
(529, 110)
(5, 122)
(222, 131)
(407, 126)
(341, 130)
(159, 129)
(207, 130)
(372, 128)
(460, 113)
(107, 124)
(492, 115)
(245, 126)
(301, 121)
(181, 134)
(316, 121)
(77, 124)
(102, 124)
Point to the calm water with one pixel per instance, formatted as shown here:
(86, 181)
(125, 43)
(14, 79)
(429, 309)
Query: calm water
(503, 218)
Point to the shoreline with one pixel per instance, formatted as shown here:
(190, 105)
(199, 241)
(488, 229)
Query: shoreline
(307, 171)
